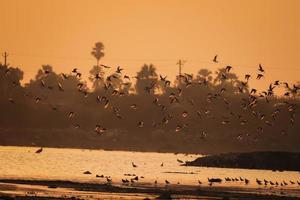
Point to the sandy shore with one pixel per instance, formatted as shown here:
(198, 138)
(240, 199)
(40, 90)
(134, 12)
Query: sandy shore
(39, 189)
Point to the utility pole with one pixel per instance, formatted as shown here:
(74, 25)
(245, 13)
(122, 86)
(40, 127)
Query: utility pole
(180, 64)
(5, 55)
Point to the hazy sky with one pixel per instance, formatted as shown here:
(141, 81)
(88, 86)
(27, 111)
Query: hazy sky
(242, 33)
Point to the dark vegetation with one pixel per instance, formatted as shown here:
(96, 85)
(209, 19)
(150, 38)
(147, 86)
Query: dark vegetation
(206, 113)
(255, 160)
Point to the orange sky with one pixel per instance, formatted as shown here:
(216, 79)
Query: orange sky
(243, 34)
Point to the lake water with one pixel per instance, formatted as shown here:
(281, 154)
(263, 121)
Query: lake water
(69, 164)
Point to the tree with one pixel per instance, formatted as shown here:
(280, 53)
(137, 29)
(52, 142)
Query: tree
(10, 79)
(146, 79)
(96, 77)
(204, 74)
(97, 51)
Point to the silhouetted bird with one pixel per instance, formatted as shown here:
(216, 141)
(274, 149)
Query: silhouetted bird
(105, 66)
(119, 70)
(259, 76)
(228, 68)
(247, 76)
(40, 150)
(259, 182)
(11, 100)
(260, 68)
(214, 180)
(133, 165)
(140, 124)
(215, 59)
(75, 71)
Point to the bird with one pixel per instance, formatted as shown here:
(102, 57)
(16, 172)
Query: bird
(43, 83)
(76, 126)
(105, 66)
(37, 100)
(228, 68)
(162, 78)
(214, 180)
(184, 114)
(260, 68)
(259, 76)
(247, 76)
(119, 70)
(126, 77)
(167, 83)
(133, 106)
(78, 75)
(225, 122)
(253, 91)
(178, 128)
(75, 70)
(133, 165)
(60, 87)
(106, 104)
(108, 180)
(215, 59)
(276, 83)
(292, 182)
(64, 76)
(71, 114)
(125, 181)
(140, 124)
(99, 129)
(40, 150)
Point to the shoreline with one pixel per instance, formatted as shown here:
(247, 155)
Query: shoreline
(103, 149)
(56, 189)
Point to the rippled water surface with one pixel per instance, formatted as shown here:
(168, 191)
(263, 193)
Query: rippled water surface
(69, 164)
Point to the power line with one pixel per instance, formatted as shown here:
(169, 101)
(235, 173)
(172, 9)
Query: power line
(196, 61)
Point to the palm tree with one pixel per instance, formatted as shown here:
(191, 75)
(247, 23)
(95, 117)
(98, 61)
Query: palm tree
(97, 51)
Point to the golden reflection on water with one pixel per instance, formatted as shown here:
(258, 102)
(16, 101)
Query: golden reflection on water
(69, 164)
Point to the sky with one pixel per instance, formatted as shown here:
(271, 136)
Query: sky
(243, 33)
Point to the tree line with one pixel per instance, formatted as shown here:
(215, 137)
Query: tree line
(208, 112)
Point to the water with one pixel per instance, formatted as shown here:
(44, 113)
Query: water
(69, 164)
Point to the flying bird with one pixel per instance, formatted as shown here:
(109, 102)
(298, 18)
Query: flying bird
(119, 70)
(215, 59)
(140, 124)
(260, 68)
(133, 165)
(259, 76)
(105, 66)
(247, 76)
(228, 68)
